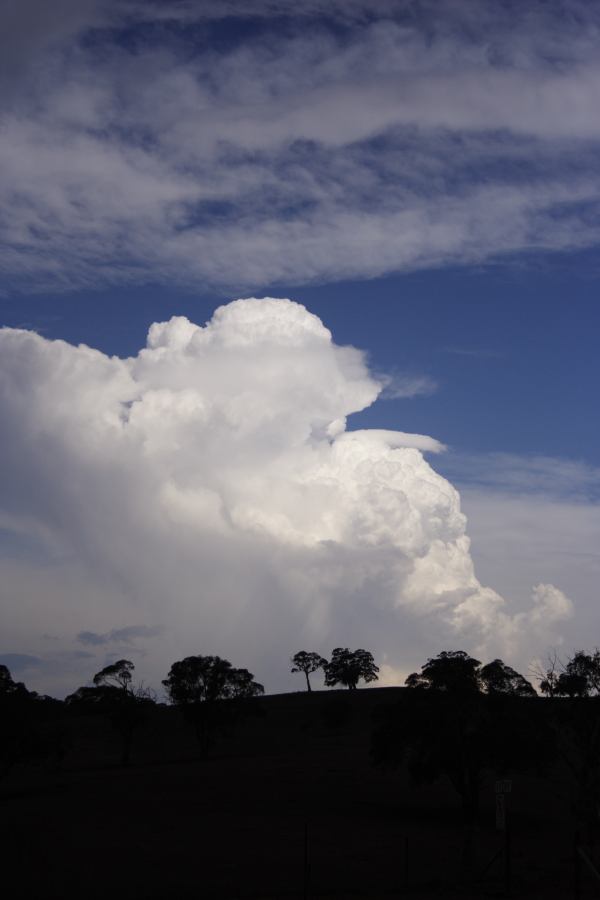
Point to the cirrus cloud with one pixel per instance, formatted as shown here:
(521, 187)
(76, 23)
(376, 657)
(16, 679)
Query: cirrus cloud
(161, 142)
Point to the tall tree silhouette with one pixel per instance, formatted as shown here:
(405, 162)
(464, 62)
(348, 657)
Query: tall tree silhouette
(307, 662)
(347, 667)
(117, 674)
(577, 728)
(25, 732)
(578, 677)
(209, 690)
(9, 687)
(581, 677)
(113, 696)
(576, 725)
(446, 725)
(498, 678)
(14, 726)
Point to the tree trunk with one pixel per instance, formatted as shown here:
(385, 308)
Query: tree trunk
(308, 687)
(470, 805)
(126, 750)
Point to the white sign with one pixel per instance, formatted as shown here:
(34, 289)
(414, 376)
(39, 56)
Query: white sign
(504, 786)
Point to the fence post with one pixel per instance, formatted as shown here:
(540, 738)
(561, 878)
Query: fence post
(507, 859)
(306, 878)
(577, 864)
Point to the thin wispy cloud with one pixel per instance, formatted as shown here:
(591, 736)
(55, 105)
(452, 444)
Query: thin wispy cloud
(525, 475)
(474, 352)
(402, 386)
(128, 635)
(376, 138)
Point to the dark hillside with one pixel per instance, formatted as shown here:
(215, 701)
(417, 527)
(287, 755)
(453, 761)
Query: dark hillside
(233, 825)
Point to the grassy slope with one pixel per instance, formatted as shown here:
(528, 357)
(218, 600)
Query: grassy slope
(233, 825)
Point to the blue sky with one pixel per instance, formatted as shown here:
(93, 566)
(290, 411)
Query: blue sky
(421, 177)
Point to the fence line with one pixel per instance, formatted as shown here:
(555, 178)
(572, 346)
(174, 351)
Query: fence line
(590, 867)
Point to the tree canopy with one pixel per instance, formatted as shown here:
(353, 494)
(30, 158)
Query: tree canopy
(113, 696)
(456, 672)
(205, 679)
(307, 662)
(498, 678)
(9, 687)
(118, 674)
(580, 676)
(462, 721)
(348, 667)
(450, 670)
(210, 691)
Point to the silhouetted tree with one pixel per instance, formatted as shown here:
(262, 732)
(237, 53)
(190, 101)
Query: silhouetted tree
(450, 670)
(118, 674)
(498, 678)
(581, 676)
(307, 662)
(10, 688)
(347, 667)
(576, 725)
(113, 696)
(24, 735)
(13, 731)
(445, 725)
(571, 684)
(242, 685)
(548, 676)
(586, 665)
(92, 698)
(207, 688)
(201, 679)
(578, 677)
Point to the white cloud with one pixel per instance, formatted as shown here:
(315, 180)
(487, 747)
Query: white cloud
(209, 486)
(524, 538)
(398, 385)
(535, 519)
(410, 136)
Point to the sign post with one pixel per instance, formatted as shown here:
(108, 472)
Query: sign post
(500, 812)
(504, 787)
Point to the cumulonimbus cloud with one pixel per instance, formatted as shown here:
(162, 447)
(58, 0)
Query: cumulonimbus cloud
(212, 485)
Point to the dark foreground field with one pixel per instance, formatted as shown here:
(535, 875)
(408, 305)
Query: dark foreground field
(234, 825)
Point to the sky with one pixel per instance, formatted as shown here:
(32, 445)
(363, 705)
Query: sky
(298, 341)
